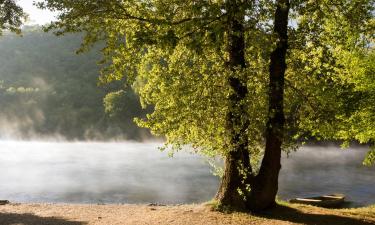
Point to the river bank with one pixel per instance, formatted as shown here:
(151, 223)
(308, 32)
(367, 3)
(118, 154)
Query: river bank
(90, 214)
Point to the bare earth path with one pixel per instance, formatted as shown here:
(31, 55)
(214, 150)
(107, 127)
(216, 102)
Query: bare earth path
(60, 214)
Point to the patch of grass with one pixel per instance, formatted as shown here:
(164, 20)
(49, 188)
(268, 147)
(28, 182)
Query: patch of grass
(282, 202)
(216, 206)
(364, 212)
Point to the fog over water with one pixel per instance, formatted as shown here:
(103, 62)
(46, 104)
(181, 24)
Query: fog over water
(92, 172)
(101, 172)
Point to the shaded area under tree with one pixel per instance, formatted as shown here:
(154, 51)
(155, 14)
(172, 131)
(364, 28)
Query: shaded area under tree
(30, 219)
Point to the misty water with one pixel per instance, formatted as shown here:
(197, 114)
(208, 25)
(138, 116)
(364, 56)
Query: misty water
(139, 173)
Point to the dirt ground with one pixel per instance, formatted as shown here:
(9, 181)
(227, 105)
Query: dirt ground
(71, 214)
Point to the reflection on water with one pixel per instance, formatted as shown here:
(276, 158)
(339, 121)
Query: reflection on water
(139, 173)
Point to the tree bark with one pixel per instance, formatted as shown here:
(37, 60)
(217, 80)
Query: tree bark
(237, 160)
(265, 187)
(238, 177)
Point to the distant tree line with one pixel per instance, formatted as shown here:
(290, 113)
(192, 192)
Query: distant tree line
(48, 90)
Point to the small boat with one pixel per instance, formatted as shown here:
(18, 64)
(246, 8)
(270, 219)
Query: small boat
(328, 201)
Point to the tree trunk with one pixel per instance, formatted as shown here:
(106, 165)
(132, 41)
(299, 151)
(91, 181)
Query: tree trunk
(264, 189)
(238, 177)
(237, 161)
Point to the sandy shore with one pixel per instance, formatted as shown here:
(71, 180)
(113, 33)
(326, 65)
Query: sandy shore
(70, 214)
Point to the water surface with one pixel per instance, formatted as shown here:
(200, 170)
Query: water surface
(319, 170)
(139, 173)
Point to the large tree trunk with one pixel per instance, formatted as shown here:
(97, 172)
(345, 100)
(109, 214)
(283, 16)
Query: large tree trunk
(237, 161)
(264, 189)
(238, 177)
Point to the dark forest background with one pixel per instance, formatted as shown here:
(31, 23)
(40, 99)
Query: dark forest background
(48, 91)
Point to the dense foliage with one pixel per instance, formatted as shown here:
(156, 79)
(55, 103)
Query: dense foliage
(11, 16)
(47, 90)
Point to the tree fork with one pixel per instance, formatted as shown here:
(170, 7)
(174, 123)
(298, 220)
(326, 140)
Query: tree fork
(264, 190)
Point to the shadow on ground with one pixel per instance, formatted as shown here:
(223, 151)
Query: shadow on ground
(293, 215)
(30, 219)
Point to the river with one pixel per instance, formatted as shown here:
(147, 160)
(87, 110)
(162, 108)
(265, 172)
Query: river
(125, 172)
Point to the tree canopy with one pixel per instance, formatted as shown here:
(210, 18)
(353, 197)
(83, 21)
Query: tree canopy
(237, 78)
(11, 16)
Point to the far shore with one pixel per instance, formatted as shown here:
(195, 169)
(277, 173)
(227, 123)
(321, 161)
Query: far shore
(202, 214)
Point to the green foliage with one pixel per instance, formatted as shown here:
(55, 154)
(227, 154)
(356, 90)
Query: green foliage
(174, 55)
(370, 158)
(11, 16)
(334, 55)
